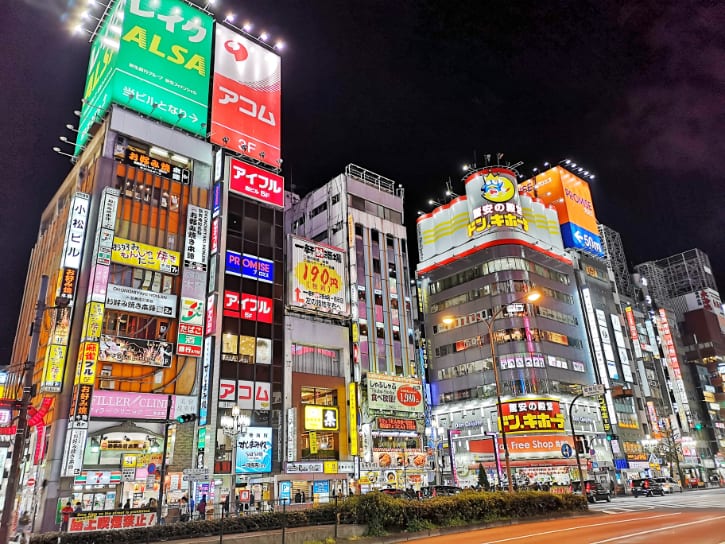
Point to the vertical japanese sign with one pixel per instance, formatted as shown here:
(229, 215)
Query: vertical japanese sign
(196, 248)
(352, 415)
(246, 97)
(75, 235)
(154, 57)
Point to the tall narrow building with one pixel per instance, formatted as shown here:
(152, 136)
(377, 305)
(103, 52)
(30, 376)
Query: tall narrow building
(362, 213)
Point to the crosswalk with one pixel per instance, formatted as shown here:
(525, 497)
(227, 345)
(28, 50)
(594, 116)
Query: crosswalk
(691, 500)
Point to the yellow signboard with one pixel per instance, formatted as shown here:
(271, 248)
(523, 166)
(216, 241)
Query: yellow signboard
(330, 467)
(352, 398)
(54, 368)
(129, 461)
(145, 256)
(313, 442)
(87, 362)
(321, 418)
(93, 321)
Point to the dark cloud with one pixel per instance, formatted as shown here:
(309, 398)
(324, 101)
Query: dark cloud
(674, 110)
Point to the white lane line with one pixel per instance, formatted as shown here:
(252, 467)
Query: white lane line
(534, 535)
(640, 533)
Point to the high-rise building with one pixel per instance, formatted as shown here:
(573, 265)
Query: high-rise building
(480, 254)
(361, 212)
(159, 361)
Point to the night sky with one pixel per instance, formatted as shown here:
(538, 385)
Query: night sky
(412, 89)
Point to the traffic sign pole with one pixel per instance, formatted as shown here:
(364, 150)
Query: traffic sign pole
(573, 436)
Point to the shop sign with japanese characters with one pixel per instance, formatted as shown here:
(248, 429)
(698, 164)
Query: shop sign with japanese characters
(249, 266)
(254, 451)
(119, 297)
(393, 393)
(246, 394)
(253, 182)
(145, 256)
(492, 216)
(196, 249)
(141, 160)
(246, 306)
(318, 279)
(538, 415)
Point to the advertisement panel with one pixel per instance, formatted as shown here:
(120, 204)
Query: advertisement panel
(352, 415)
(255, 183)
(119, 297)
(318, 280)
(138, 158)
(246, 97)
(249, 266)
(246, 306)
(542, 415)
(394, 393)
(569, 194)
(87, 360)
(73, 454)
(145, 256)
(196, 248)
(577, 237)
(154, 57)
(254, 451)
(54, 369)
(550, 445)
(136, 351)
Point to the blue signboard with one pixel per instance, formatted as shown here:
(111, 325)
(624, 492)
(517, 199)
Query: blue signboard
(254, 451)
(249, 266)
(579, 238)
(216, 199)
(321, 487)
(566, 450)
(285, 491)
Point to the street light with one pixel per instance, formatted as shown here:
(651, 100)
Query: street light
(531, 296)
(233, 426)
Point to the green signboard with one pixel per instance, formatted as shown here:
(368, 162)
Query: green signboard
(154, 57)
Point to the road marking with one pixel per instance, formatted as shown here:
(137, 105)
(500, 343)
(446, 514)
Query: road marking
(580, 527)
(640, 533)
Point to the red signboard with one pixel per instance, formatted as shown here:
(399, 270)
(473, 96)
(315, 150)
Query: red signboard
(245, 306)
(253, 182)
(394, 423)
(246, 97)
(531, 416)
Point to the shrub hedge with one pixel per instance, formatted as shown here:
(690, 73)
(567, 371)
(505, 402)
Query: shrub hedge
(380, 512)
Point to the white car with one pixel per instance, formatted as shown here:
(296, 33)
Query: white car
(669, 485)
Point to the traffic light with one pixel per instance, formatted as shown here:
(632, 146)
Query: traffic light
(186, 418)
(698, 426)
(611, 437)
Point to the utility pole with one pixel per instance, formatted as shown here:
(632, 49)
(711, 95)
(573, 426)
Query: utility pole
(162, 469)
(21, 433)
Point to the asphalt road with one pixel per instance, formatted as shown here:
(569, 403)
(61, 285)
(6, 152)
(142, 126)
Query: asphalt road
(696, 517)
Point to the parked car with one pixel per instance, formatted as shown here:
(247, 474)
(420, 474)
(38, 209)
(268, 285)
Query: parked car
(648, 487)
(440, 490)
(397, 493)
(669, 485)
(593, 490)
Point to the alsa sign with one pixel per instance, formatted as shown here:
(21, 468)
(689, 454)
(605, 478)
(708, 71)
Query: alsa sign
(391, 393)
(253, 182)
(250, 307)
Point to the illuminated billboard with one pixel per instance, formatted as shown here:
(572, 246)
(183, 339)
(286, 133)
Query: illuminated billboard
(253, 182)
(531, 416)
(570, 196)
(254, 451)
(154, 57)
(145, 256)
(318, 280)
(393, 393)
(246, 97)
(246, 306)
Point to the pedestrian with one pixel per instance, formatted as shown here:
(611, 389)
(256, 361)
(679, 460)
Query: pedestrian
(298, 496)
(127, 505)
(65, 516)
(164, 512)
(23, 527)
(225, 507)
(304, 497)
(201, 507)
(79, 508)
(184, 509)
